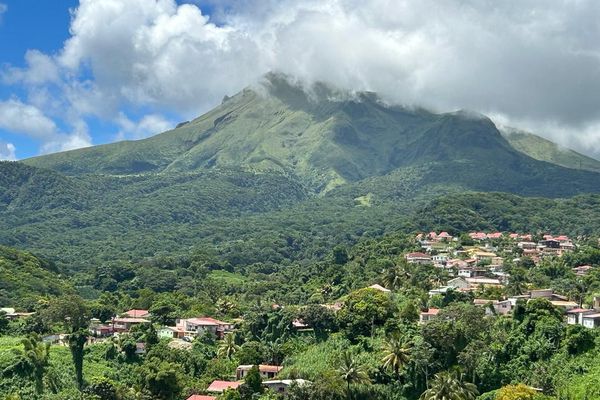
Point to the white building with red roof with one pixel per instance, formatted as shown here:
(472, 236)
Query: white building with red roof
(199, 326)
(221, 386)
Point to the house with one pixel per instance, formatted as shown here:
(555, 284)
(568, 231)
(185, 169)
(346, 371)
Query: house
(10, 313)
(101, 330)
(440, 290)
(440, 258)
(170, 332)
(137, 314)
(124, 324)
(281, 386)
(221, 386)
(418, 258)
(575, 315)
(476, 282)
(582, 270)
(201, 397)
(564, 304)
(484, 256)
(527, 245)
(380, 288)
(494, 235)
(591, 320)
(426, 316)
(199, 326)
(470, 272)
(477, 235)
(444, 236)
(266, 371)
(458, 283)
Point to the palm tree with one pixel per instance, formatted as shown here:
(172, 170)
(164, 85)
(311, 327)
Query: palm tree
(351, 372)
(36, 357)
(228, 347)
(393, 277)
(450, 385)
(397, 354)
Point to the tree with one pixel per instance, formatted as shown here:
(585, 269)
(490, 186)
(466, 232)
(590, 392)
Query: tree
(352, 373)
(395, 276)
(252, 384)
(72, 312)
(363, 310)
(320, 319)
(34, 361)
(228, 347)
(450, 385)
(161, 379)
(516, 392)
(396, 354)
(3, 322)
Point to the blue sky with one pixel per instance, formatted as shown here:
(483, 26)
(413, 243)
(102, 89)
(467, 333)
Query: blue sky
(76, 73)
(44, 26)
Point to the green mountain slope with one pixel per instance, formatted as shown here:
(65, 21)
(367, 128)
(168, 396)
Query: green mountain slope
(279, 170)
(545, 150)
(24, 278)
(326, 139)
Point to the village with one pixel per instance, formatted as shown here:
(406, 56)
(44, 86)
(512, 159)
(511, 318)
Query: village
(476, 268)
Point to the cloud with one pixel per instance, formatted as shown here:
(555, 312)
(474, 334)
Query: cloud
(3, 9)
(537, 63)
(7, 151)
(26, 119)
(147, 126)
(19, 117)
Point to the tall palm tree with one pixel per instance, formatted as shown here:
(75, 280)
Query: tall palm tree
(396, 354)
(450, 385)
(228, 347)
(352, 372)
(36, 355)
(395, 276)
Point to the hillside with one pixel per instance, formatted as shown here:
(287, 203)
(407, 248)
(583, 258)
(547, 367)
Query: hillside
(24, 278)
(279, 172)
(325, 139)
(545, 150)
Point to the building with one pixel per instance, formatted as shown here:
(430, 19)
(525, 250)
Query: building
(221, 386)
(582, 270)
(591, 320)
(201, 397)
(380, 288)
(199, 326)
(426, 316)
(137, 314)
(418, 258)
(470, 272)
(266, 371)
(575, 315)
(498, 307)
(281, 386)
(125, 324)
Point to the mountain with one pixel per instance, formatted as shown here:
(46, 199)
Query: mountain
(280, 172)
(544, 150)
(327, 138)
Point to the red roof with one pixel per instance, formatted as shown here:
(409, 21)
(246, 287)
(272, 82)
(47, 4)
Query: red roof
(417, 255)
(431, 311)
(201, 397)
(495, 235)
(220, 386)
(445, 235)
(578, 310)
(137, 313)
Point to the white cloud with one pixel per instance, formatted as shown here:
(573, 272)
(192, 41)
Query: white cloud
(147, 126)
(26, 119)
(3, 9)
(19, 117)
(536, 62)
(40, 69)
(7, 151)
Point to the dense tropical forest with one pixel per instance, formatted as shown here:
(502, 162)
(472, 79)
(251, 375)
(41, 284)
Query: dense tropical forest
(373, 347)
